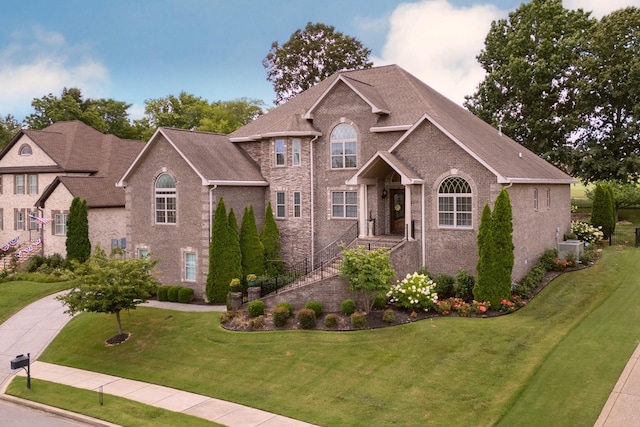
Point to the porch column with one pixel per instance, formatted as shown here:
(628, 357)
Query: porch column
(407, 212)
(362, 213)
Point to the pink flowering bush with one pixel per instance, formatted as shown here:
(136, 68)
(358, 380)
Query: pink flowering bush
(480, 308)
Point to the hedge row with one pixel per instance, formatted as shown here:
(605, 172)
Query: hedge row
(175, 294)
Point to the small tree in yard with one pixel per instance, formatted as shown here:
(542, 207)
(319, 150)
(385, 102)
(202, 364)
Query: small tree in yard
(110, 285)
(77, 243)
(602, 210)
(250, 245)
(369, 272)
(270, 239)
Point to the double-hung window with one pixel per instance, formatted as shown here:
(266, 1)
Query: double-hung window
(344, 204)
(455, 203)
(280, 152)
(344, 147)
(19, 184)
(297, 196)
(165, 199)
(280, 204)
(190, 266)
(295, 150)
(19, 219)
(60, 224)
(32, 181)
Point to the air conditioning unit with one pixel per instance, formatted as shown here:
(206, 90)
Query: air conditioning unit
(575, 247)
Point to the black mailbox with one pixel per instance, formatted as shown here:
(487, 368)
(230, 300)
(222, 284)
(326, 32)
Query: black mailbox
(21, 361)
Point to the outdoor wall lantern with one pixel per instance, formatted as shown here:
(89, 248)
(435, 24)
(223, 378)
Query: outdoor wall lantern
(384, 193)
(22, 361)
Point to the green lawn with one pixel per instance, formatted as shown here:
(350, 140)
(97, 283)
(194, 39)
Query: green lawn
(18, 294)
(563, 353)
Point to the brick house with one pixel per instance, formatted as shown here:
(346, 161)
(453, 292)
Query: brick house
(375, 144)
(42, 170)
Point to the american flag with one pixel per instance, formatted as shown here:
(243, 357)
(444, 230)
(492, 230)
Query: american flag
(40, 220)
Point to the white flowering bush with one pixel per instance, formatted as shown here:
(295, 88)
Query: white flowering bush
(415, 291)
(586, 232)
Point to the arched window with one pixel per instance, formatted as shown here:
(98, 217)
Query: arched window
(344, 147)
(455, 203)
(25, 150)
(165, 199)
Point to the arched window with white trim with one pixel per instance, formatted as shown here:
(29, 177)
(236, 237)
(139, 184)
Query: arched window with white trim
(165, 199)
(455, 203)
(344, 147)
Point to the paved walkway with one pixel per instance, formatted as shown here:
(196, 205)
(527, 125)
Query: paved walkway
(34, 327)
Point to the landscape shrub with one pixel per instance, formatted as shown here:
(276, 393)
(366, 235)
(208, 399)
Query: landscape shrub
(464, 285)
(331, 320)
(479, 308)
(315, 306)
(184, 295)
(307, 318)
(257, 322)
(548, 259)
(443, 306)
(256, 308)
(348, 307)
(172, 293)
(288, 306)
(380, 301)
(162, 293)
(389, 316)
(415, 291)
(445, 286)
(588, 255)
(226, 316)
(530, 281)
(280, 316)
(359, 320)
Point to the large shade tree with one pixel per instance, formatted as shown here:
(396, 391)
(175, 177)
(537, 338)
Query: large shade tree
(310, 56)
(9, 126)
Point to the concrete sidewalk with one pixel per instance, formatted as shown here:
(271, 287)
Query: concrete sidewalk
(34, 327)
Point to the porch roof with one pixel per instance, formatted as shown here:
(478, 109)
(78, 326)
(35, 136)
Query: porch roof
(381, 164)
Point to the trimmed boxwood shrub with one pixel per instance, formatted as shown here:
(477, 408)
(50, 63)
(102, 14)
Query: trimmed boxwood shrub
(331, 320)
(358, 320)
(307, 318)
(380, 301)
(162, 293)
(315, 306)
(444, 286)
(389, 316)
(256, 308)
(348, 307)
(288, 306)
(172, 293)
(280, 316)
(464, 285)
(185, 295)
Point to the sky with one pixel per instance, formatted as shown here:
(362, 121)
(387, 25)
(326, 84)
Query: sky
(134, 50)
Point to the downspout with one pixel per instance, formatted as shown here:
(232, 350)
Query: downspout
(422, 230)
(41, 231)
(312, 196)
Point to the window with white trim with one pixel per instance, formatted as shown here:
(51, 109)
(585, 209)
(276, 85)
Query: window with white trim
(60, 224)
(33, 224)
(535, 199)
(190, 266)
(295, 152)
(143, 253)
(455, 203)
(280, 152)
(344, 147)
(297, 204)
(19, 184)
(344, 204)
(32, 181)
(548, 198)
(25, 150)
(19, 219)
(165, 199)
(280, 204)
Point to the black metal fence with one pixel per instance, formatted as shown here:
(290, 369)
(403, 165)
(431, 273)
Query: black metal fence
(625, 236)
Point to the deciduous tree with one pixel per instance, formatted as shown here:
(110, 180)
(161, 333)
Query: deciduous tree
(9, 127)
(369, 272)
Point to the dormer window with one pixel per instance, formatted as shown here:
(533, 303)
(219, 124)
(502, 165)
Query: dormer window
(25, 150)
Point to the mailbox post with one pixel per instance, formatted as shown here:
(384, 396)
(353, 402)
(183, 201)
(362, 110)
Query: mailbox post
(22, 361)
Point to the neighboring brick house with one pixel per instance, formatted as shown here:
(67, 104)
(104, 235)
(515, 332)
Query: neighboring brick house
(41, 172)
(375, 143)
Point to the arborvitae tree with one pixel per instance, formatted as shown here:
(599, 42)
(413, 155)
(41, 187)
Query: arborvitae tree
(250, 245)
(270, 238)
(77, 243)
(602, 211)
(235, 255)
(220, 273)
(612, 202)
(502, 236)
(486, 252)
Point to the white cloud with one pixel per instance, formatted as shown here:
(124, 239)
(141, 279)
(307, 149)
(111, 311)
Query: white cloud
(38, 63)
(599, 7)
(439, 42)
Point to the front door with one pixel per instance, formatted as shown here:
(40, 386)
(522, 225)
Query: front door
(397, 211)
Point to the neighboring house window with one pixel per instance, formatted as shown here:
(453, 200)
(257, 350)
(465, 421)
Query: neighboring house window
(25, 150)
(60, 224)
(280, 148)
(165, 199)
(33, 184)
(296, 203)
(548, 198)
(143, 253)
(343, 147)
(0, 184)
(344, 204)
(19, 219)
(19, 184)
(119, 243)
(1, 219)
(535, 199)
(33, 224)
(280, 204)
(295, 159)
(455, 203)
(190, 266)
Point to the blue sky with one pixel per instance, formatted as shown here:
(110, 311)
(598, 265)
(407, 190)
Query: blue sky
(141, 49)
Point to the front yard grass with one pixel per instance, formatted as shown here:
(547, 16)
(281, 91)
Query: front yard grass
(556, 359)
(15, 295)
